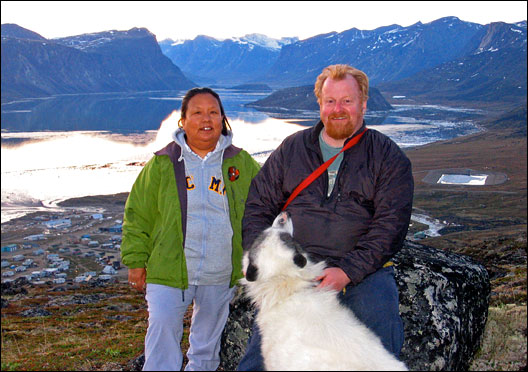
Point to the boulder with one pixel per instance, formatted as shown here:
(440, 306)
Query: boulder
(444, 300)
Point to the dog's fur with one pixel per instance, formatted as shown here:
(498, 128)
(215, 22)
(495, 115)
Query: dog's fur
(302, 327)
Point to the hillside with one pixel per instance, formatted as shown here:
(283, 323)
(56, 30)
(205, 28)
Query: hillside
(303, 98)
(490, 221)
(112, 61)
(493, 75)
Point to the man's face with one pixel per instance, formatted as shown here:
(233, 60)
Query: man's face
(341, 107)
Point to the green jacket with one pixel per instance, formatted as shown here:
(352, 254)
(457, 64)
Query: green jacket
(156, 213)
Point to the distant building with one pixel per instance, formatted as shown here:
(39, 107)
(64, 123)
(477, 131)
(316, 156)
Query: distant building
(52, 257)
(57, 224)
(27, 262)
(35, 237)
(109, 270)
(9, 248)
(96, 216)
(112, 229)
(19, 257)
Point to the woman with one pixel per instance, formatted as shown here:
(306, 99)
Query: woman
(182, 238)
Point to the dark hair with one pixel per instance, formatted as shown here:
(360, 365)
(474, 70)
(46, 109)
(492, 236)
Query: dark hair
(204, 90)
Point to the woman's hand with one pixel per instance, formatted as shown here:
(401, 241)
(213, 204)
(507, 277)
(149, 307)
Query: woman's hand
(136, 278)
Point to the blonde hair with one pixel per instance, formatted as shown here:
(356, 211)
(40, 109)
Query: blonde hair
(340, 72)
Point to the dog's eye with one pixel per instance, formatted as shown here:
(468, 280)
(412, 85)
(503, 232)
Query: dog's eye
(299, 260)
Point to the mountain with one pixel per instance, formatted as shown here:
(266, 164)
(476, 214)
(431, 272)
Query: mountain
(387, 53)
(445, 60)
(384, 54)
(303, 98)
(13, 30)
(226, 62)
(514, 122)
(111, 61)
(494, 71)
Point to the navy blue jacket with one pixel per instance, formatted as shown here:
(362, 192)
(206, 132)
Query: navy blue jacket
(363, 222)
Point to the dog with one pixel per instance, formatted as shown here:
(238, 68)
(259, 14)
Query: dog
(304, 327)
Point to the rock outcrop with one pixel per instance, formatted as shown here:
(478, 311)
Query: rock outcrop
(303, 98)
(444, 301)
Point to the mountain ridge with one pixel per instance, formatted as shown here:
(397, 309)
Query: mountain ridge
(126, 61)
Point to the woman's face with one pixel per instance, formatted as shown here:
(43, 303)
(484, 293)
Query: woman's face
(203, 123)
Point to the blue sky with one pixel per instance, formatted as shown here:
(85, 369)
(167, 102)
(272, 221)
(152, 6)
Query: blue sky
(224, 19)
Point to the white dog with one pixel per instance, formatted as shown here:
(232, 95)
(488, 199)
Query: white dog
(302, 327)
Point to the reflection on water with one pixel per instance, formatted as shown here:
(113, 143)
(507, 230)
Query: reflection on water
(69, 146)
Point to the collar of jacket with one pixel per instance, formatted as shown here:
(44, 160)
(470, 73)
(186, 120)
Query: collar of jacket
(313, 139)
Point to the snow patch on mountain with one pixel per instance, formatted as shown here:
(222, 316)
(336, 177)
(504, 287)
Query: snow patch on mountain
(265, 41)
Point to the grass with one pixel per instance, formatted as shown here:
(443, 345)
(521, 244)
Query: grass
(103, 335)
(75, 336)
(504, 343)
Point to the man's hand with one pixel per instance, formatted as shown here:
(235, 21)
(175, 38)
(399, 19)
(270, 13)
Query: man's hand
(136, 278)
(333, 277)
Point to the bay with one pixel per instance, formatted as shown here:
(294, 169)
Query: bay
(68, 146)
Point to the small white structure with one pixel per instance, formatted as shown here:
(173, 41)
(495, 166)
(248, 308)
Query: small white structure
(96, 216)
(27, 262)
(57, 224)
(463, 179)
(35, 237)
(50, 271)
(18, 257)
(52, 257)
(109, 270)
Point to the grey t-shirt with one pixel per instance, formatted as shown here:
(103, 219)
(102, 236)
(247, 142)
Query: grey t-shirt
(329, 151)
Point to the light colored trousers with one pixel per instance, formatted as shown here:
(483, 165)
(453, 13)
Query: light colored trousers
(166, 307)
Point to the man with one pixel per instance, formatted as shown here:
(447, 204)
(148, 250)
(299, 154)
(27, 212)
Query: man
(354, 216)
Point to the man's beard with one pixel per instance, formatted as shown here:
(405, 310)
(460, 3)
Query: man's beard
(339, 132)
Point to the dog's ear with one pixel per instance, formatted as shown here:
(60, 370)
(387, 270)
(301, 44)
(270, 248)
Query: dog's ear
(251, 273)
(299, 260)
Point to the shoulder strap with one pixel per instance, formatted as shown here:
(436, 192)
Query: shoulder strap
(316, 173)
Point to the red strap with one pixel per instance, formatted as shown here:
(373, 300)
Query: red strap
(316, 173)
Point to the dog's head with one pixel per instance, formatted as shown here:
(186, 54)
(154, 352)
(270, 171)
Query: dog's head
(274, 252)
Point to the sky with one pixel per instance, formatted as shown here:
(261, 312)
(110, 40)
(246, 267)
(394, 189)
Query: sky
(225, 19)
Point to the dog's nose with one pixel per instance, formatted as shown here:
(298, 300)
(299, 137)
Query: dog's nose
(251, 273)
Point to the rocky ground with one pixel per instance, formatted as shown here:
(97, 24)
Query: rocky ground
(100, 325)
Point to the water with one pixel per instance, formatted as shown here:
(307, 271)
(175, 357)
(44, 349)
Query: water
(70, 146)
